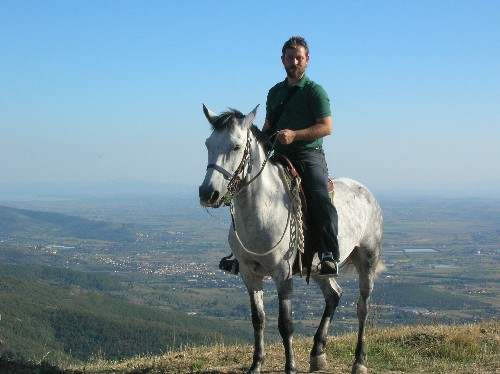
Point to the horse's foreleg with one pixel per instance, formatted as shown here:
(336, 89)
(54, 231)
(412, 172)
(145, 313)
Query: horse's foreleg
(258, 322)
(365, 290)
(285, 324)
(332, 293)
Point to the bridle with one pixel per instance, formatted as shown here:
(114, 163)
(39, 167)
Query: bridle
(236, 180)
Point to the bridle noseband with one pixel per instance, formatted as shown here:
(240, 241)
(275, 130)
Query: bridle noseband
(238, 176)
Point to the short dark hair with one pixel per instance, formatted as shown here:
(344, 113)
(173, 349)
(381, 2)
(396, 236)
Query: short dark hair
(293, 43)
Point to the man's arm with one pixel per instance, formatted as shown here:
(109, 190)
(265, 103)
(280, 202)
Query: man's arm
(321, 128)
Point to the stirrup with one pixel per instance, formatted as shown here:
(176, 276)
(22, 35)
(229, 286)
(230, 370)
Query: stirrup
(229, 265)
(329, 271)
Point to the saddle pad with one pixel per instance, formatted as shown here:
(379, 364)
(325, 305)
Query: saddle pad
(331, 191)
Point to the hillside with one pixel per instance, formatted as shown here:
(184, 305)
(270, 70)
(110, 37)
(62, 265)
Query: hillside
(58, 314)
(22, 222)
(472, 348)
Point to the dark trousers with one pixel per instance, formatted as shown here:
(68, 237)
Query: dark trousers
(311, 165)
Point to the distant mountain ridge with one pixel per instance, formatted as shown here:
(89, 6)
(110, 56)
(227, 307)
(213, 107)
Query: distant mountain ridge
(14, 221)
(107, 189)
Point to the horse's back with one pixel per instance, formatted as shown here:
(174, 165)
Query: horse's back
(360, 216)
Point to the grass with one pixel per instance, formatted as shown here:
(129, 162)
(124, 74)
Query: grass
(471, 348)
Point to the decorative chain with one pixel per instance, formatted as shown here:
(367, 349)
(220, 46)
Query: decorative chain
(297, 208)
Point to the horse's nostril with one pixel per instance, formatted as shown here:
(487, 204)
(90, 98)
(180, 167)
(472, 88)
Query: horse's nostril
(214, 197)
(201, 192)
(208, 194)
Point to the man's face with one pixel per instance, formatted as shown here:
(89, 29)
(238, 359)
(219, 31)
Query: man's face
(295, 62)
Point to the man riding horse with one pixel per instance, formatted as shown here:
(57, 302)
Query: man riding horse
(298, 113)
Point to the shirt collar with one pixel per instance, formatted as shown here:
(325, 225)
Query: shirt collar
(301, 83)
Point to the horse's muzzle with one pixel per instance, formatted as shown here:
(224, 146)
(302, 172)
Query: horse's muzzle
(209, 197)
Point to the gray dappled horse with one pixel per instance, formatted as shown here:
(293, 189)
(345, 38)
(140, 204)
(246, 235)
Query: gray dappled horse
(263, 235)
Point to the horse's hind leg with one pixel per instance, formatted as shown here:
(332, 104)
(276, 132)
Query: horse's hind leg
(332, 293)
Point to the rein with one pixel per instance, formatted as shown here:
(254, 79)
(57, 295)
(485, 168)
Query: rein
(236, 185)
(299, 239)
(268, 156)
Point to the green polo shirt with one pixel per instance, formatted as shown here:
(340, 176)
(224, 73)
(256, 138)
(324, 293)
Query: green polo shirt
(306, 105)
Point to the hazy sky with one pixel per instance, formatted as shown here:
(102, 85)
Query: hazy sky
(103, 90)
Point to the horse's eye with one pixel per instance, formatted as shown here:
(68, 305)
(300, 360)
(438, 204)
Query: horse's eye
(237, 148)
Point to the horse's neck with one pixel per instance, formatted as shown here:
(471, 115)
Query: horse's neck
(264, 201)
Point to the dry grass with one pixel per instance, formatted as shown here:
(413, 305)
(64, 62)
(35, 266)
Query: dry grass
(410, 349)
(470, 349)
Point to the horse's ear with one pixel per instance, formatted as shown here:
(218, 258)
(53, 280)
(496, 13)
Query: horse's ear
(211, 116)
(250, 117)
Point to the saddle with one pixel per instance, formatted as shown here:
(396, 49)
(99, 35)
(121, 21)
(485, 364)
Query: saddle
(292, 172)
(312, 241)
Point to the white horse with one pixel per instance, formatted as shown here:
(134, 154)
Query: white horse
(264, 232)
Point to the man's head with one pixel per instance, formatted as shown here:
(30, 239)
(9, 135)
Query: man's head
(295, 57)
(293, 43)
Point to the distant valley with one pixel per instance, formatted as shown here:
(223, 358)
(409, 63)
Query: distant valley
(144, 270)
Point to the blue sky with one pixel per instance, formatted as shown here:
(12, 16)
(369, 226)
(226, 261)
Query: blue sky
(92, 91)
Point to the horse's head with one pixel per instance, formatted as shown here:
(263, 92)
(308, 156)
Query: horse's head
(228, 151)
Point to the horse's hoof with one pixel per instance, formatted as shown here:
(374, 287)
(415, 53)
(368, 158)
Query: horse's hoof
(317, 363)
(255, 369)
(359, 369)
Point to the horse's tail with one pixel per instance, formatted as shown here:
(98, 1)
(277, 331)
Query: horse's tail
(380, 268)
(349, 266)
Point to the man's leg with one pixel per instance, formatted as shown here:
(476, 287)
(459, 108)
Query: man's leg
(314, 174)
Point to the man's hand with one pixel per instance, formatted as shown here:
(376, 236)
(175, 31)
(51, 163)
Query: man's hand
(321, 128)
(286, 136)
